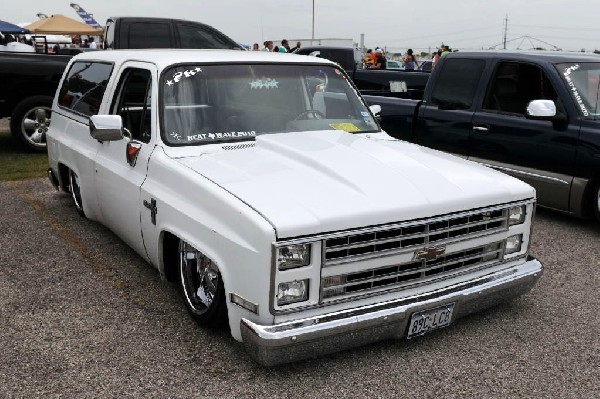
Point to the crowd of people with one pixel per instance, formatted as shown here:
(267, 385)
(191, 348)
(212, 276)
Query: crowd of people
(271, 47)
(376, 59)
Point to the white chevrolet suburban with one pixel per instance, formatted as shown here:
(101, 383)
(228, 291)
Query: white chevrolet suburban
(263, 185)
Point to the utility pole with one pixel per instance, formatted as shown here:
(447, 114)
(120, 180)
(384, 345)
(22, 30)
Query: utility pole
(505, 29)
(313, 22)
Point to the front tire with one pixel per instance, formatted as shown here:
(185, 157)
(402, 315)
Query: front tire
(202, 287)
(30, 121)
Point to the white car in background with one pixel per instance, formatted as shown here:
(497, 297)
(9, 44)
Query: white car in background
(262, 185)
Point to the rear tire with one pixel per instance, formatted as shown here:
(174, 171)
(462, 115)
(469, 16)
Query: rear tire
(595, 200)
(202, 287)
(30, 121)
(75, 190)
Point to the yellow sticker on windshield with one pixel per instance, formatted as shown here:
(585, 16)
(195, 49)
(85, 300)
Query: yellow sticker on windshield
(348, 127)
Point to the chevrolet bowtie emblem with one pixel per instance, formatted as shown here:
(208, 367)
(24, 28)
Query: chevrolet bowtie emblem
(429, 253)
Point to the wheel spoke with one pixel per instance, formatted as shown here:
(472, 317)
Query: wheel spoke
(29, 124)
(37, 137)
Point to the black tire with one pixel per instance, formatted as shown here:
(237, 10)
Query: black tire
(595, 201)
(75, 190)
(30, 121)
(202, 287)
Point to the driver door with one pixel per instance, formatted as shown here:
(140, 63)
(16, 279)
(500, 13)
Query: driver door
(118, 181)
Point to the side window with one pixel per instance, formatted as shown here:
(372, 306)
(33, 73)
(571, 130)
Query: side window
(83, 88)
(205, 37)
(133, 103)
(457, 83)
(514, 85)
(150, 35)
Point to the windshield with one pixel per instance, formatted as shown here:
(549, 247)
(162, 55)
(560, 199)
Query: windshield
(204, 104)
(583, 82)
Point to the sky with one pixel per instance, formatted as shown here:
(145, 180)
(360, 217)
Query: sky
(395, 25)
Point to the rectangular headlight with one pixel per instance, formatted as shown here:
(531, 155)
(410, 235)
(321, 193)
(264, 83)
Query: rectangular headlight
(513, 244)
(516, 215)
(293, 256)
(292, 292)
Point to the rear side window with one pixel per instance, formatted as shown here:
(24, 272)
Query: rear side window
(83, 88)
(150, 35)
(204, 37)
(457, 83)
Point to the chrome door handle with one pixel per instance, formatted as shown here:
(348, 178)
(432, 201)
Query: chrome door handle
(480, 129)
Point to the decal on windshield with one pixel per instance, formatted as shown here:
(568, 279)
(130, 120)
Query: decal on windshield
(177, 76)
(348, 127)
(264, 83)
(220, 135)
(176, 136)
(567, 75)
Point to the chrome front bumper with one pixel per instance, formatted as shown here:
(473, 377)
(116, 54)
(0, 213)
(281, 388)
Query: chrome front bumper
(333, 332)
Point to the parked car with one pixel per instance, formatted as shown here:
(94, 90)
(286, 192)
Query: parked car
(262, 184)
(394, 65)
(533, 115)
(29, 80)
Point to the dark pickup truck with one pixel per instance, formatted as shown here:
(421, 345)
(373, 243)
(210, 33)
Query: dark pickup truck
(377, 82)
(533, 115)
(29, 80)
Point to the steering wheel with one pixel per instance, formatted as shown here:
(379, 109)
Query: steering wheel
(316, 113)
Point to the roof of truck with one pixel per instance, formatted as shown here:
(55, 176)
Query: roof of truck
(548, 56)
(165, 57)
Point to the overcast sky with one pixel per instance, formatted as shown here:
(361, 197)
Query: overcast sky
(393, 24)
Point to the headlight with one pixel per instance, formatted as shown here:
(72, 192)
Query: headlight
(513, 244)
(516, 215)
(293, 256)
(294, 291)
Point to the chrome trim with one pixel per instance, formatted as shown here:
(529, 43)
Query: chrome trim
(335, 331)
(523, 173)
(243, 303)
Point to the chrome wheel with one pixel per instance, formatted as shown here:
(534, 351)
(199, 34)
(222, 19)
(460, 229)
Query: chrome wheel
(201, 285)
(34, 126)
(75, 191)
(30, 121)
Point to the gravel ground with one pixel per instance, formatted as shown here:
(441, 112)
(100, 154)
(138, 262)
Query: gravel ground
(83, 316)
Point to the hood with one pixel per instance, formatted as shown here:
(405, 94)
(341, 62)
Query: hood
(317, 182)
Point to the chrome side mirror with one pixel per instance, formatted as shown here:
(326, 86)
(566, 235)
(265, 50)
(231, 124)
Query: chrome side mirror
(376, 110)
(106, 127)
(541, 109)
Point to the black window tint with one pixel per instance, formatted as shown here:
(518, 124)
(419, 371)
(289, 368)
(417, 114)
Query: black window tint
(84, 87)
(202, 36)
(514, 85)
(150, 35)
(457, 83)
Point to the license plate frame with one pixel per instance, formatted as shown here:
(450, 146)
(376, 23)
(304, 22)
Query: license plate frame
(431, 319)
(398, 86)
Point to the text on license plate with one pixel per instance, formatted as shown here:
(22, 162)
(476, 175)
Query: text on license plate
(428, 320)
(398, 86)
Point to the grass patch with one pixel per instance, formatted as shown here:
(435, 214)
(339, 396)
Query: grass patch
(18, 164)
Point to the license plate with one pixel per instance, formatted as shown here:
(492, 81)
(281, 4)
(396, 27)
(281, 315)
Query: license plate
(431, 319)
(398, 86)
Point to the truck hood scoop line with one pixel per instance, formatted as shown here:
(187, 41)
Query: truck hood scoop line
(315, 182)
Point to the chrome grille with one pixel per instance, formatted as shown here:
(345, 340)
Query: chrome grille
(414, 272)
(388, 240)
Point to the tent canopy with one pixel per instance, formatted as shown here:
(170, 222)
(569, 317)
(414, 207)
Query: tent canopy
(61, 25)
(7, 27)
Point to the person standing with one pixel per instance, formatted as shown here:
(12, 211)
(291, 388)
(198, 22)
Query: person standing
(285, 46)
(255, 47)
(410, 61)
(298, 44)
(268, 46)
(92, 43)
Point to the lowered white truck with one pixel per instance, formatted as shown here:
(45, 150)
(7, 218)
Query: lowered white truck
(263, 185)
